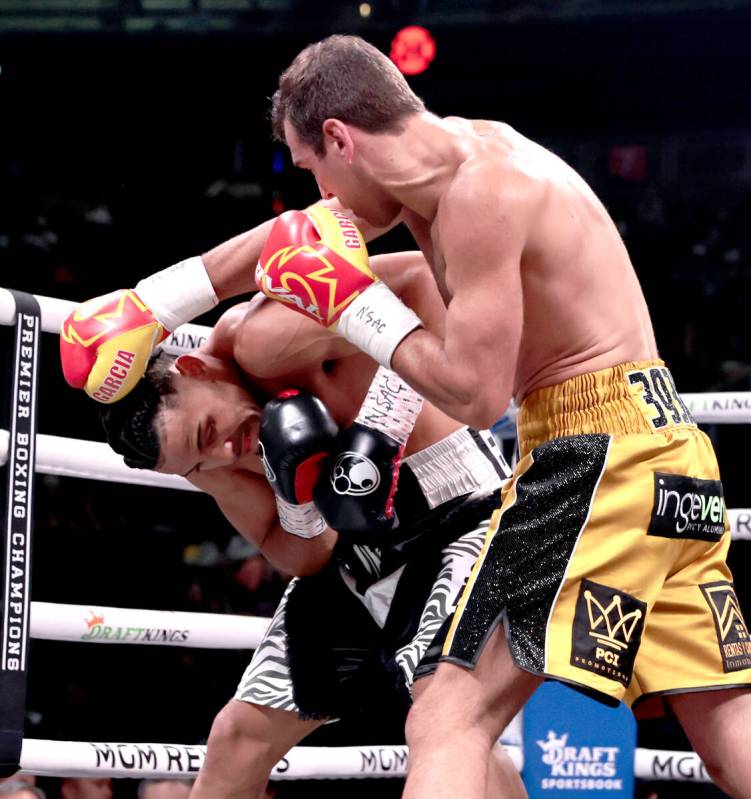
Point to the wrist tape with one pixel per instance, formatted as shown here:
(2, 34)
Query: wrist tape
(390, 406)
(302, 520)
(376, 322)
(178, 293)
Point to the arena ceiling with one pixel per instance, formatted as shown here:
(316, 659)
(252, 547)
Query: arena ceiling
(266, 16)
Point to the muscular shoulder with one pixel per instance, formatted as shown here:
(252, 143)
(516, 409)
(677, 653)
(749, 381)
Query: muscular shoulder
(486, 195)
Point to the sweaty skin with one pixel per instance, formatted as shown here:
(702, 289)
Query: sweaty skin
(538, 284)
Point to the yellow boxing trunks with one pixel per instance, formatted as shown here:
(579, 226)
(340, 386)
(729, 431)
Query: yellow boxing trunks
(606, 560)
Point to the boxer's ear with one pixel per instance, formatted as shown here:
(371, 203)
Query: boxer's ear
(189, 365)
(338, 137)
(203, 366)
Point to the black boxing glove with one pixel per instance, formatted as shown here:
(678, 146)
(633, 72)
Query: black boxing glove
(296, 434)
(357, 493)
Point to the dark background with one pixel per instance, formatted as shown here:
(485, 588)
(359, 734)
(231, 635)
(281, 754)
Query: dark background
(133, 135)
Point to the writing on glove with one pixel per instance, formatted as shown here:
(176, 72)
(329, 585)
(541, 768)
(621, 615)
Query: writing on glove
(105, 344)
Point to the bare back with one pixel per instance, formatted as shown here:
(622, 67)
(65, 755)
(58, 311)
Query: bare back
(581, 306)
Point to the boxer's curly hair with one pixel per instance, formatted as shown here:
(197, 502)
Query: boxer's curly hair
(343, 77)
(131, 423)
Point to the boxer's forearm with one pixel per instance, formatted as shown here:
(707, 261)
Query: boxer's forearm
(462, 387)
(299, 557)
(231, 264)
(249, 506)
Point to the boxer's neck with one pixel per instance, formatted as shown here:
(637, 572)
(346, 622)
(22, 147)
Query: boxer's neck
(415, 165)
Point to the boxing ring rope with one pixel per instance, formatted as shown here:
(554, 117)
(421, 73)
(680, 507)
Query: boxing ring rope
(93, 460)
(138, 761)
(91, 623)
(54, 621)
(720, 407)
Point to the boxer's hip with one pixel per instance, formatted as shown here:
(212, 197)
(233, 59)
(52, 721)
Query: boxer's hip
(639, 397)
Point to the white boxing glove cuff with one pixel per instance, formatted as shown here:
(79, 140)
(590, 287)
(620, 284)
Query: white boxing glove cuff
(179, 293)
(376, 322)
(302, 520)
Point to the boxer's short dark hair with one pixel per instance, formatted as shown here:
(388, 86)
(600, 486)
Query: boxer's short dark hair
(346, 78)
(131, 424)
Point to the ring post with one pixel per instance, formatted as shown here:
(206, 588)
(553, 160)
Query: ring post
(18, 522)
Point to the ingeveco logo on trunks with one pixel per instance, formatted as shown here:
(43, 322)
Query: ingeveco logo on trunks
(607, 630)
(732, 633)
(99, 631)
(687, 507)
(579, 767)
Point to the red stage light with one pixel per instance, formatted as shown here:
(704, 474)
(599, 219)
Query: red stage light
(413, 49)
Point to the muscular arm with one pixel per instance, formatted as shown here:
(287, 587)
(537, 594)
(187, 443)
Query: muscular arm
(469, 371)
(231, 264)
(249, 505)
(298, 342)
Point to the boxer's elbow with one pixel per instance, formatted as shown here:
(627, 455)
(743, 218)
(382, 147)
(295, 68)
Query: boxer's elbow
(295, 556)
(480, 402)
(483, 414)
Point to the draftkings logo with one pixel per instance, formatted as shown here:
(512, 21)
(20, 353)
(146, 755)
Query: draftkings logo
(97, 629)
(732, 633)
(579, 767)
(607, 631)
(687, 507)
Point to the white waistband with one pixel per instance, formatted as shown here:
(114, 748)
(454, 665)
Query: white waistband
(455, 466)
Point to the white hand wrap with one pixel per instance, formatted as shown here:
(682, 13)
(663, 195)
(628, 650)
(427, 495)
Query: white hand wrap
(178, 293)
(302, 520)
(377, 321)
(390, 406)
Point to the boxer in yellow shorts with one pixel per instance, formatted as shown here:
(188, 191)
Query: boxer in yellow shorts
(606, 562)
(539, 291)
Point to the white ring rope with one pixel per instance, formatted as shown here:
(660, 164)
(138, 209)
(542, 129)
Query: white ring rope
(94, 460)
(85, 759)
(185, 339)
(719, 407)
(105, 625)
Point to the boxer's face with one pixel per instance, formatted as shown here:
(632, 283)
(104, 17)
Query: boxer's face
(212, 421)
(339, 173)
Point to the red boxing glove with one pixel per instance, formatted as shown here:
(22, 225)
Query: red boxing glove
(316, 263)
(105, 344)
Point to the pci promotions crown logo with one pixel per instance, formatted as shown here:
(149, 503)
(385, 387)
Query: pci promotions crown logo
(608, 625)
(611, 625)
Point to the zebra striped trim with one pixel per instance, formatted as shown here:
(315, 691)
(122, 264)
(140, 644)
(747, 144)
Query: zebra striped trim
(457, 560)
